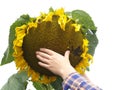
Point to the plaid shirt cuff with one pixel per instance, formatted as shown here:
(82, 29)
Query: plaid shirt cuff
(75, 81)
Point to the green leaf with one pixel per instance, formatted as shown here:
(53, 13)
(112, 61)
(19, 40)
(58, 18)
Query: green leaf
(17, 81)
(57, 85)
(7, 58)
(93, 41)
(88, 27)
(40, 86)
(84, 19)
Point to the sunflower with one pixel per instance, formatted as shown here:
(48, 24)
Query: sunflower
(55, 30)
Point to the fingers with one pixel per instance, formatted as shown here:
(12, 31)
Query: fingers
(43, 55)
(42, 59)
(43, 65)
(67, 53)
(48, 51)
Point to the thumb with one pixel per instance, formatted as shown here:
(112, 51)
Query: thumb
(67, 53)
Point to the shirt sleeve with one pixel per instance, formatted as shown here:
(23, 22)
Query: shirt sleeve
(75, 81)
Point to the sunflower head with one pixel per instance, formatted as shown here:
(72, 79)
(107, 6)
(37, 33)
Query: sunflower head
(58, 31)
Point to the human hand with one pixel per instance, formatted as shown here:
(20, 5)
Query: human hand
(55, 62)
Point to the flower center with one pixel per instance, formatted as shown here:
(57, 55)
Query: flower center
(50, 35)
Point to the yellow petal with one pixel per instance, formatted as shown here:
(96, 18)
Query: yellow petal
(59, 12)
(62, 21)
(48, 17)
(77, 27)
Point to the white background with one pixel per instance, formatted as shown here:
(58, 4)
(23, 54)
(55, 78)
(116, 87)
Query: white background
(105, 13)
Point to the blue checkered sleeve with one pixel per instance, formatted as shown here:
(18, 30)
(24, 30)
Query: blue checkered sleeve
(75, 81)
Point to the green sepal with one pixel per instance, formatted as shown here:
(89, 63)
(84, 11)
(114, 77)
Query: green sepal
(7, 58)
(17, 81)
(40, 86)
(87, 68)
(69, 14)
(57, 85)
(51, 9)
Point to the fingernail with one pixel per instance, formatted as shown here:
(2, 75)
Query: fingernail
(41, 48)
(36, 52)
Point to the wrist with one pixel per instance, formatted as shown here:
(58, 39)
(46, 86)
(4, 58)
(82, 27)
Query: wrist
(66, 72)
